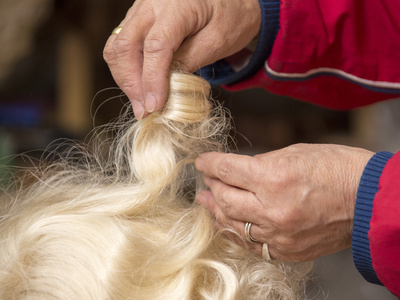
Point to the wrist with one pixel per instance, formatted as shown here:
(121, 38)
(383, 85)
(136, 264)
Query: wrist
(223, 72)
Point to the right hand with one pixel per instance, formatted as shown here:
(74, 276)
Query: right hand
(300, 199)
(183, 34)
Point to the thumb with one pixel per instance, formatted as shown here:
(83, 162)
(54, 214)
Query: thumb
(163, 40)
(197, 52)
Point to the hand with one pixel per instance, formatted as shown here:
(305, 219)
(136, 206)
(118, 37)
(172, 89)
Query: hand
(186, 34)
(300, 199)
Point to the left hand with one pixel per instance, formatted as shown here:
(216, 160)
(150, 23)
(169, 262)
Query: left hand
(160, 35)
(300, 199)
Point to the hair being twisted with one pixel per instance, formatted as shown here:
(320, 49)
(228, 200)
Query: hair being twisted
(126, 227)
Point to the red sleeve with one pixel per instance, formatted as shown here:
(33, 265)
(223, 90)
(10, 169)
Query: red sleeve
(384, 234)
(339, 54)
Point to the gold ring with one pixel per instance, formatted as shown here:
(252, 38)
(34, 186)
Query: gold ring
(247, 228)
(265, 252)
(117, 30)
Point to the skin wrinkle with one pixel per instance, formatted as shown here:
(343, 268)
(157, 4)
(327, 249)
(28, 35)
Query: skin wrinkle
(183, 34)
(290, 197)
(225, 171)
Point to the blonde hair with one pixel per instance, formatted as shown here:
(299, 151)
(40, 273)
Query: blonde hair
(125, 226)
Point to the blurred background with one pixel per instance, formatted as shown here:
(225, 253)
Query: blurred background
(55, 84)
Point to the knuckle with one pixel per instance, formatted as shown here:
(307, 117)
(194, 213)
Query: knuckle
(129, 84)
(278, 220)
(282, 173)
(287, 220)
(254, 166)
(225, 204)
(108, 54)
(225, 169)
(121, 46)
(278, 183)
(154, 45)
(296, 147)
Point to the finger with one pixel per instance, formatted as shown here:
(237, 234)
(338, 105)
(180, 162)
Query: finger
(206, 199)
(163, 40)
(281, 245)
(108, 52)
(125, 58)
(231, 234)
(202, 49)
(238, 238)
(127, 71)
(112, 54)
(236, 170)
(197, 51)
(235, 203)
(226, 33)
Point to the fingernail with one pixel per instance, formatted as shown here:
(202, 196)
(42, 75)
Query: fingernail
(150, 103)
(138, 109)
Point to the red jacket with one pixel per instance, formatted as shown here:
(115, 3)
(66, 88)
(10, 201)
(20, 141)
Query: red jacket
(339, 54)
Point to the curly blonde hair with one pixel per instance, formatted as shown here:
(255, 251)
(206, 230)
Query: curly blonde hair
(125, 225)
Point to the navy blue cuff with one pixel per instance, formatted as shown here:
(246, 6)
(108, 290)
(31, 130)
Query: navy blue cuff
(362, 215)
(221, 72)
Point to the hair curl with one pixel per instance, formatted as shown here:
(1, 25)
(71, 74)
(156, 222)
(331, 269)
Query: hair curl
(125, 225)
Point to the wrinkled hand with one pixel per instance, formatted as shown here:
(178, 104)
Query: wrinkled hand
(186, 34)
(300, 199)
